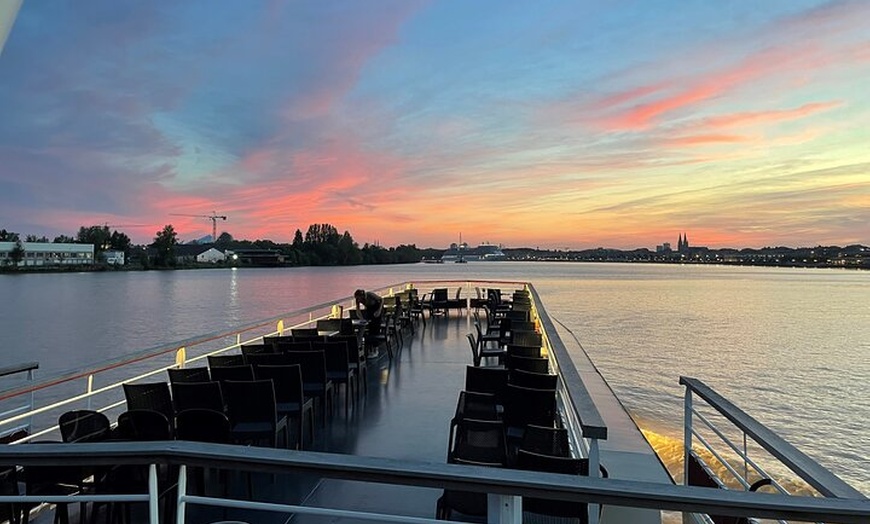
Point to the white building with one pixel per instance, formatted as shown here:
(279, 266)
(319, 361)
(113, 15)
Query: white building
(190, 253)
(48, 254)
(112, 257)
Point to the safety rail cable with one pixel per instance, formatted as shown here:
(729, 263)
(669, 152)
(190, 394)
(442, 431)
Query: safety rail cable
(497, 481)
(743, 479)
(816, 475)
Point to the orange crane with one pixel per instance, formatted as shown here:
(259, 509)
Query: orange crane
(213, 217)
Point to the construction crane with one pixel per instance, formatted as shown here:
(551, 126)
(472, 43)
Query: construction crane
(213, 217)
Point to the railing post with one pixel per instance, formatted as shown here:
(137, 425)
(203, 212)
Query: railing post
(90, 388)
(687, 434)
(594, 470)
(30, 377)
(745, 459)
(504, 509)
(182, 493)
(153, 496)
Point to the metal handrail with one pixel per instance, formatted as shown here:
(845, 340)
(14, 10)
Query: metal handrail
(514, 483)
(591, 421)
(5, 371)
(816, 475)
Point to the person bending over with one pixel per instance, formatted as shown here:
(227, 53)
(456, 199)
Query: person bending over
(374, 308)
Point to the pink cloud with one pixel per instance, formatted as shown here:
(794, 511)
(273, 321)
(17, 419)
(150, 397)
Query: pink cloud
(788, 52)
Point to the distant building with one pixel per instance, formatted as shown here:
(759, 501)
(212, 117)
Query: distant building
(664, 248)
(198, 254)
(113, 257)
(683, 244)
(49, 254)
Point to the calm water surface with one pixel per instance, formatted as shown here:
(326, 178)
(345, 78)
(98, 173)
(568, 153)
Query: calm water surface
(791, 347)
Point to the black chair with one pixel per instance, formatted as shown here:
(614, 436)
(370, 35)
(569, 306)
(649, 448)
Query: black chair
(546, 441)
(535, 365)
(314, 380)
(525, 338)
(356, 357)
(438, 302)
(484, 339)
(475, 406)
(152, 396)
(239, 373)
(257, 349)
(531, 379)
(84, 426)
(140, 425)
(479, 441)
(275, 340)
(144, 425)
(9, 512)
(219, 361)
(479, 406)
(480, 352)
(194, 374)
(253, 413)
(290, 398)
(197, 395)
(383, 336)
(330, 324)
(523, 351)
(490, 380)
(289, 346)
(303, 334)
(524, 406)
(265, 359)
(576, 511)
(523, 325)
(457, 303)
(338, 368)
(203, 425)
(50, 481)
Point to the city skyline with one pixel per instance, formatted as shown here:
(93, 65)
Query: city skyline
(405, 122)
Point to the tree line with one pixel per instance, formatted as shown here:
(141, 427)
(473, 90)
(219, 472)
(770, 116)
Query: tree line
(320, 245)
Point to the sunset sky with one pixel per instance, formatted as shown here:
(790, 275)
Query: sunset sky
(570, 124)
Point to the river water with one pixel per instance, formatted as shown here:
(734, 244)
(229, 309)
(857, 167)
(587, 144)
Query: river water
(789, 346)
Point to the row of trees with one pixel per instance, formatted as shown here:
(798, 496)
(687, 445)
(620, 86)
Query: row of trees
(320, 245)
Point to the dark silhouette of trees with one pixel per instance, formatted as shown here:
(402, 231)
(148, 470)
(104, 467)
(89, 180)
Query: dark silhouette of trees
(97, 235)
(120, 242)
(63, 239)
(16, 255)
(164, 246)
(8, 236)
(224, 241)
(34, 238)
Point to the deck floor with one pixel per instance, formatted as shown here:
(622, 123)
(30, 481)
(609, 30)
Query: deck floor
(405, 415)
